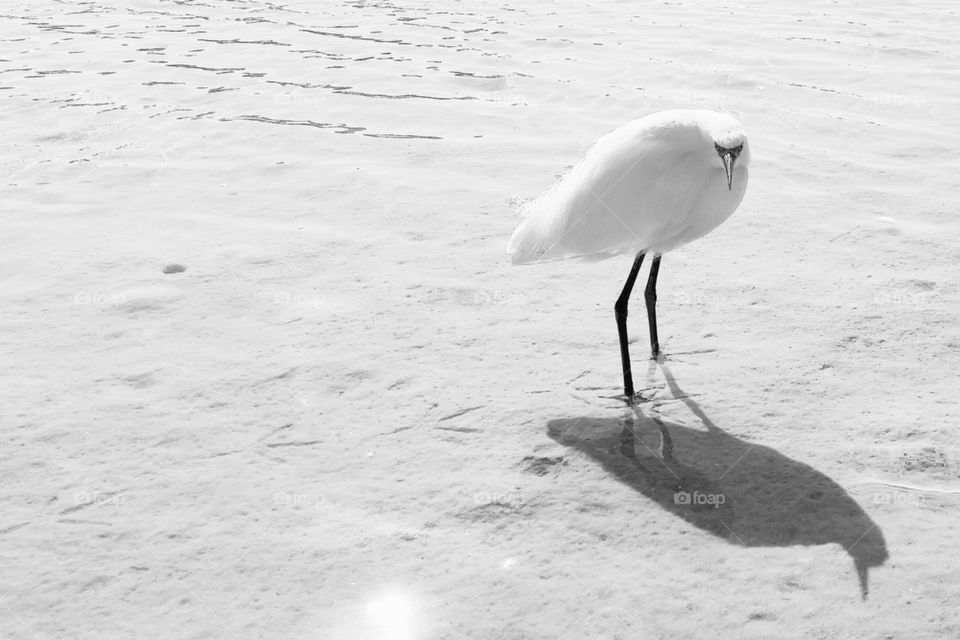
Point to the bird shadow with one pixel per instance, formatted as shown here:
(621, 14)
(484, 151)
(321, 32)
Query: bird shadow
(745, 493)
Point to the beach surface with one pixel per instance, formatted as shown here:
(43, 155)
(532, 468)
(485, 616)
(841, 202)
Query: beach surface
(268, 371)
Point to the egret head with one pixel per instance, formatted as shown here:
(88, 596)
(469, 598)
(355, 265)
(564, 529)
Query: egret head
(729, 141)
(728, 156)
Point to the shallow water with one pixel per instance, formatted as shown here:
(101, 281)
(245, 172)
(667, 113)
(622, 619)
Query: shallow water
(459, 70)
(845, 105)
(334, 182)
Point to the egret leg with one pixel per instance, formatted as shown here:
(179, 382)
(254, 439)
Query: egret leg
(620, 311)
(650, 293)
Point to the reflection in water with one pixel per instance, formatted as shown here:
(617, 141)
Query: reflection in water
(745, 493)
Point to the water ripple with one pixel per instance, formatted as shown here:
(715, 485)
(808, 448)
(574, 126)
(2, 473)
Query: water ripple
(339, 128)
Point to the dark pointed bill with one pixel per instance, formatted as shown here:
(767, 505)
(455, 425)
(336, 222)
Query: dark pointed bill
(729, 158)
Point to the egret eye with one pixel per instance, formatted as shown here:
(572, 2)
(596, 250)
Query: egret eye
(733, 151)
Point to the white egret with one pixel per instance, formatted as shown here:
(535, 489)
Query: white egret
(648, 187)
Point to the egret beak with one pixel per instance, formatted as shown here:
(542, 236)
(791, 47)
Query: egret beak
(728, 161)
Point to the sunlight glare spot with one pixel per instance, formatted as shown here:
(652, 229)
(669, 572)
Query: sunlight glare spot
(392, 614)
